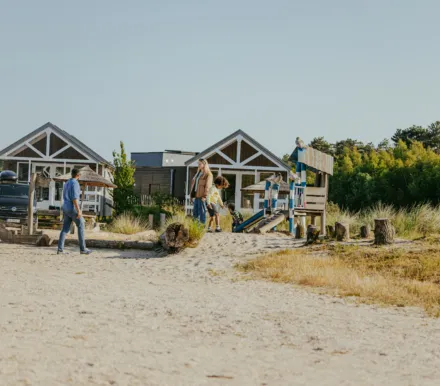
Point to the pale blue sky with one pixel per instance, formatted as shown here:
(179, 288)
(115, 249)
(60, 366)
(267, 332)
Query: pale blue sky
(174, 74)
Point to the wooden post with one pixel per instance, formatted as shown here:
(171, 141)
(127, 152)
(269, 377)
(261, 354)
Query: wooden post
(365, 231)
(330, 231)
(82, 196)
(313, 220)
(312, 234)
(323, 224)
(342, 232)
(383, 231)
(151, 220)
(324, 184)
(162, 220)
(31, 203)
(299, 231)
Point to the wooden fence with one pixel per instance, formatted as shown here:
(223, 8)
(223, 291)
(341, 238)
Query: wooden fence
(146, 200)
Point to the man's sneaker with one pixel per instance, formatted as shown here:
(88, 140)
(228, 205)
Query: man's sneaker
(218, 230)
(209, 230)
(59, 252)
(86, 252)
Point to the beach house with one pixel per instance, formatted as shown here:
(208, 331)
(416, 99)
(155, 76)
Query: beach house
(53, 152)
(243, 161)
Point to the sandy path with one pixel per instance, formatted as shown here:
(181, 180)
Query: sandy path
(125, 319)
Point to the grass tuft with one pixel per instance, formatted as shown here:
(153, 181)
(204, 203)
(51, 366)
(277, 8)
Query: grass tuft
(128, 224)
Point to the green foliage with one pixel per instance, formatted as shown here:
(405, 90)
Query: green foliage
(429, 136)
(123, 195)
(143, 212)
(166, 202)
(402, 173)
(401, 176)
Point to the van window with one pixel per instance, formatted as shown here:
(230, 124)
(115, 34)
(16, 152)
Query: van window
(14, 190)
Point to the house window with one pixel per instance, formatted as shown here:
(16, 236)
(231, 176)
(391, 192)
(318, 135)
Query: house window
(23, 172)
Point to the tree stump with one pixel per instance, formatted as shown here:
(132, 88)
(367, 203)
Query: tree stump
(44, 241)
(342, 232)
(299, 231)
(330, 231)
(383, 231)
(175, 237)
(365, 231)
(312, 234)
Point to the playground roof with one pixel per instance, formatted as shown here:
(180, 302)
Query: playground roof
(316, 160)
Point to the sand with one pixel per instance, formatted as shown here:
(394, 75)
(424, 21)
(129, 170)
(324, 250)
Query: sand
(128, 318)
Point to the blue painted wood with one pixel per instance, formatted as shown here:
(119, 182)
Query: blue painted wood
(249, 222)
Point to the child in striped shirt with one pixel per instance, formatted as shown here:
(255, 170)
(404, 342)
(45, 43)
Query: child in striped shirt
(213, 201)
(237, 217)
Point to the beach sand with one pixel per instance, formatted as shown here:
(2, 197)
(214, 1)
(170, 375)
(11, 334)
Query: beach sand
(130, 318)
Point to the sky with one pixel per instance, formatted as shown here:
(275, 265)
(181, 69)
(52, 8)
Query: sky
(174, 74)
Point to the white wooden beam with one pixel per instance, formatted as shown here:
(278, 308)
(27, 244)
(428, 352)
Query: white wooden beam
(230, 160)
(241, 168)
(250, 158)
(35, 150)
(12, 151)
(59, 151)
(239, 141)
(48, 133)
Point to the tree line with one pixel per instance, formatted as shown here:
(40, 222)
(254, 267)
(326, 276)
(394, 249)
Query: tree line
(402, 171)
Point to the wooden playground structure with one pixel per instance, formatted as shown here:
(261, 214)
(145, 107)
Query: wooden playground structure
(303, 200)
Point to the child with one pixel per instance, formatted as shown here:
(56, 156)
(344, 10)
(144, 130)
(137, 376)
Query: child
(213, 201)
(237, 217)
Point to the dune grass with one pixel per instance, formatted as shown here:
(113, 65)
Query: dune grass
(391, 276)
(128, 224)
(418, 221)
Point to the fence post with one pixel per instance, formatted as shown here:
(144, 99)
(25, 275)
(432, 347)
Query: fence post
(151, 220)
(162, 220)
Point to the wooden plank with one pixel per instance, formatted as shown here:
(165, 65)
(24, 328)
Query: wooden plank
(316, 191)
(315, 199)
(318, 207)
(270, 223)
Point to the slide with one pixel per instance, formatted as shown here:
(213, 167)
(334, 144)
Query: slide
(249, 222)
(271, 222)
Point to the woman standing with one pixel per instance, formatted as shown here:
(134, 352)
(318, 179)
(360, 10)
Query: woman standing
(201, 183)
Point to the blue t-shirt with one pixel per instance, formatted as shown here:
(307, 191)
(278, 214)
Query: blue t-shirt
(71, 192)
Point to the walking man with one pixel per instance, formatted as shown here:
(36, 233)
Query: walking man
(72, 212)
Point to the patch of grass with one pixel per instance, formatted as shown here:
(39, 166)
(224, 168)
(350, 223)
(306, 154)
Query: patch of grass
(418, 221)
(128, 224)
(390, 276)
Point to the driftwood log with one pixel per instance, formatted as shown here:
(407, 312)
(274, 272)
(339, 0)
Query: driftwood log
(330, 231)
(116, 244)
(365, 231)
(299, 231)
(175, 237)
(383, 231)
(342, 232)
(312, 234)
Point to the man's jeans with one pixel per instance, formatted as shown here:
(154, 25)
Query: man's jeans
(70, 216)
(199, 210)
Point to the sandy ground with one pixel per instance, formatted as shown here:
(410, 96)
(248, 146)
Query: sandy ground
(127, 318)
